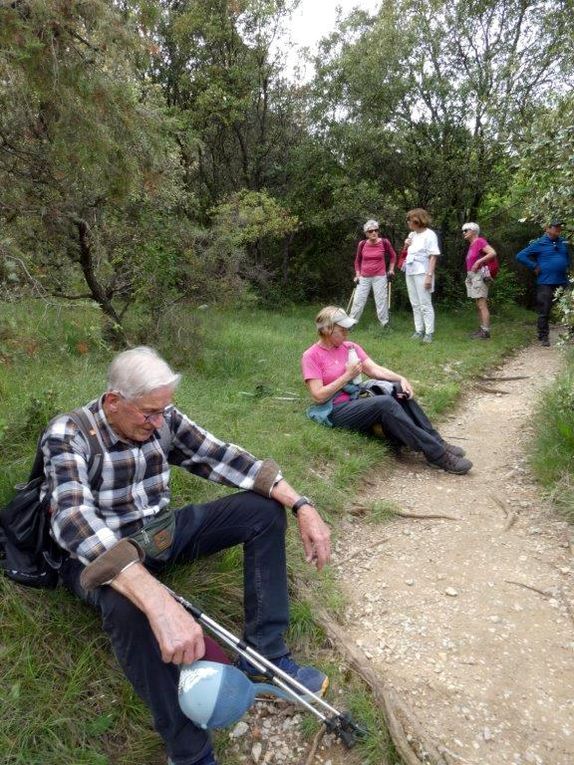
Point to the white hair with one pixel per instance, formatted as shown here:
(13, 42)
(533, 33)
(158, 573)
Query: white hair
(370, 224)
(471, 227)
(139, 371)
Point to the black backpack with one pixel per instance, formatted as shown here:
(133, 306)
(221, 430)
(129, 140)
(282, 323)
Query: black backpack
(28, 553)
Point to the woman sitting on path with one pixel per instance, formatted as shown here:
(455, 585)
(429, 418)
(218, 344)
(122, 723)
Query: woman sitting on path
(419, 267)
(332, 368)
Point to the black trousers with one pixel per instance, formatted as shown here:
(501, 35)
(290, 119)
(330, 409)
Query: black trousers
(544, 298)
(402, 420)
(246, 518)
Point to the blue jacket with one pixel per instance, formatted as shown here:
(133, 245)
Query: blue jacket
(551, 257)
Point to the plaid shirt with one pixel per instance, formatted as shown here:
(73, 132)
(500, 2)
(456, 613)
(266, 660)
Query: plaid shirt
(134, 483)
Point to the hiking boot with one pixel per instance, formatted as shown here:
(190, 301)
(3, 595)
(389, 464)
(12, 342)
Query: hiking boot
(313, 679)
(457, 451)
(481, 334)
(451, 463)
(428, 338)
(545, 342)
(417, 336)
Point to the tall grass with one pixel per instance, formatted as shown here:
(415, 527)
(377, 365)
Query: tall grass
(64, 702)
(552, 454)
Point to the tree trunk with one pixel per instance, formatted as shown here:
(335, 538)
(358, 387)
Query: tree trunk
(113, 329)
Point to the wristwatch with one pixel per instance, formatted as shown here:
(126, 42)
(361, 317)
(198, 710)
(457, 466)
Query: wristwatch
(299, 504)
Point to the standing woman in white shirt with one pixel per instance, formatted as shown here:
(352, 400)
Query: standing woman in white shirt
(419, 267)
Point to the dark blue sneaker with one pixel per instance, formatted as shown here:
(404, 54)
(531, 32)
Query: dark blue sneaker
(313, 679)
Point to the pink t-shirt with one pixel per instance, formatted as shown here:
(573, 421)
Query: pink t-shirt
(475, 251)
(327, 364)
(371, 262)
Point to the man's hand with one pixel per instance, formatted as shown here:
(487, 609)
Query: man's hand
(390, 275)
(428, 282)
(357, 277)
(179, 636)
(315, 535)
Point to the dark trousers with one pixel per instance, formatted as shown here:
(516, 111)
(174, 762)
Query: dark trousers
(246, 518)
(402, 420)
(544, 298)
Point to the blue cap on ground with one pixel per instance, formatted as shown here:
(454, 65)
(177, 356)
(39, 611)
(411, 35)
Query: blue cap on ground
(216, 695)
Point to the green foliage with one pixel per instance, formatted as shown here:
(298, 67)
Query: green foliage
(545, 181)
(83, 149)
(552, 453)
(564, 309)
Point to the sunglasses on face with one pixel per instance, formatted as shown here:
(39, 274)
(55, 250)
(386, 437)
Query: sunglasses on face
(372, 230)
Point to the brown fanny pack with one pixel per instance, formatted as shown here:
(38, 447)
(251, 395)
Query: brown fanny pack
(156, 536)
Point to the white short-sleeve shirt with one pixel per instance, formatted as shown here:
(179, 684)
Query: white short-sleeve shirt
(423, 245)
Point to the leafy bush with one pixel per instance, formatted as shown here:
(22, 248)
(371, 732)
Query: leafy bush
(564, 309)
(506, 291)
(553, 450)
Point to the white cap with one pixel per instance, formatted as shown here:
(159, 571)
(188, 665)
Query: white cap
(343, 320)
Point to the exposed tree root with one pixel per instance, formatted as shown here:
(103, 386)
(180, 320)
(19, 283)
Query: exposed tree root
(315, 745)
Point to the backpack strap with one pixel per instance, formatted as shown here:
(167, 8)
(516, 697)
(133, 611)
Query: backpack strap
(85, 421)
(360, 252)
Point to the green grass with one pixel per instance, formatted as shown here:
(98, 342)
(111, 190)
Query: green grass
(64, 702)
(552, 448)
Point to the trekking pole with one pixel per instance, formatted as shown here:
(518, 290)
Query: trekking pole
(339, 723)
(350, 303)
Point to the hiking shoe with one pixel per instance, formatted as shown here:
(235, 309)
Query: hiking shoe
(313, 679)
(545, 342)
(457, 451)
(481, 334)
(451, 463)
(417, 336)
(428, 338)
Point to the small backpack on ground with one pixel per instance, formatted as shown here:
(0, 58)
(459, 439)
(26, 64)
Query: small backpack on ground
(28, 553)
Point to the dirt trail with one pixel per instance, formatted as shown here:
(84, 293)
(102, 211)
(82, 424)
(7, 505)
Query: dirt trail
(472, 620)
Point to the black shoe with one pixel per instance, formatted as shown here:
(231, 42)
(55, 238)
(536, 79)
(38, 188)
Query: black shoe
(545, 342)
(451, 463)
(457, 451)
(481, 334)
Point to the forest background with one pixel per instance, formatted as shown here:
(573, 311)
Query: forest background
(156, 154)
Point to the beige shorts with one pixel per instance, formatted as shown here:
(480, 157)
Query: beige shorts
(476, 287)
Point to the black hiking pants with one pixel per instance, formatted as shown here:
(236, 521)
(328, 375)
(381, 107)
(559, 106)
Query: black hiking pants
(403, 422)
(544, 298)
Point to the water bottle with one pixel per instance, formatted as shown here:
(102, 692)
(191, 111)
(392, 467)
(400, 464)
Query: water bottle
(353, 358)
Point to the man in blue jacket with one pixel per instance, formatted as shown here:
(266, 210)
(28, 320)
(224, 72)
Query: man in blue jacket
(548, 257)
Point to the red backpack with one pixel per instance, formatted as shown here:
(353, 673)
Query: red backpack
(493, 267)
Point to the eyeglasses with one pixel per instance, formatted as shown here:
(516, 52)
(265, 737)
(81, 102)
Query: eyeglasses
(466, 230)
(149, 416)
(372, 230)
